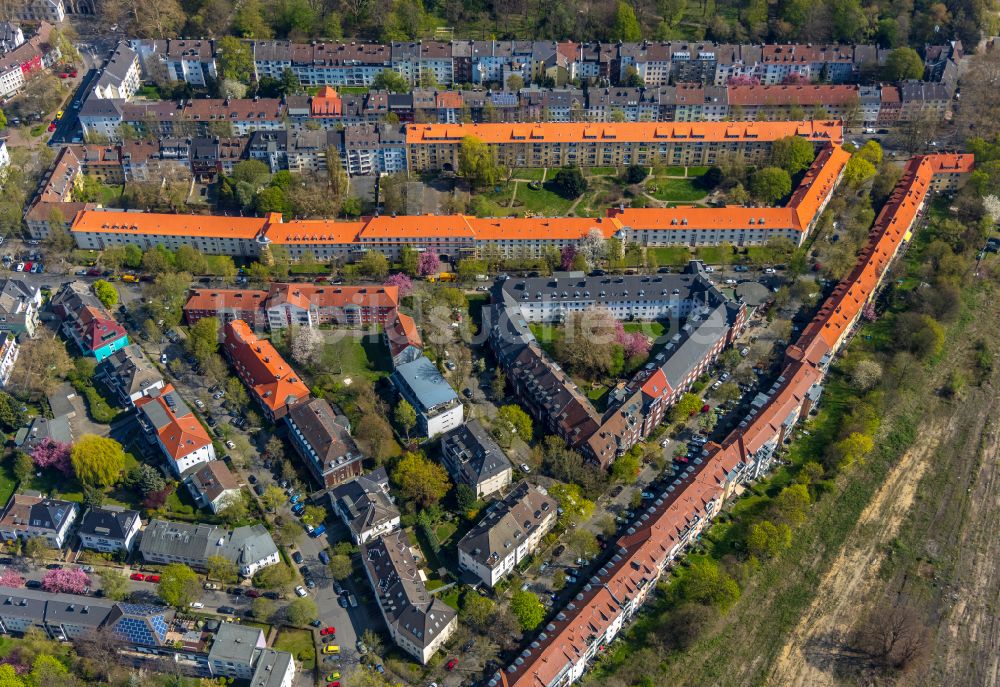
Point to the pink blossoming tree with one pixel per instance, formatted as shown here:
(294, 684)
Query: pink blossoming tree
(427, 263)
(9, 578)
(53, 454)
(73, 581)
(402, 282)
(634, 343)
(566, 257)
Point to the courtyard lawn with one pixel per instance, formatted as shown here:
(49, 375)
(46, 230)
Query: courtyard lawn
(541, 201)
(299, 643)
(179, 503)
(358, 357)
(696, 171)
(670, 255)
(451, 596)
(653, 330)
(529, 173)
(600, 171)
(675, 190)
(444, 531)
(715, 255)
(546, 335)
(493, 203)
(668, 171)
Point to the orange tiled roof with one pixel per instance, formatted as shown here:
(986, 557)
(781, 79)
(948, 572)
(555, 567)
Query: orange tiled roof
(817, 185)
(102, 222)
(401, 333)
(182, 435)
(314, 231)
(417, 226)
(687, 217)
(225, 299)
(311, 295)
(624, 131)
(527, 228)
(273, 381)
(326, 103)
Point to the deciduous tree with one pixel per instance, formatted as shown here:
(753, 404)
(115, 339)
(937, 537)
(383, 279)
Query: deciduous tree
(68, 581)
(421, 481)
(178, 586)
(528, 609)
(98, 461)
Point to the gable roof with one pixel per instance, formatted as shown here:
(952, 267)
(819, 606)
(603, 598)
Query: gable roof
(273, 381)
(172, 421)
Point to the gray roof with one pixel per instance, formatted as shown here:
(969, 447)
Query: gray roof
(24, 510)
(111, 522)
(102, 107)
(158, 415)
(195, 541)
(56, 429)
(235, 643)
(405, 602)
(325, 432)
(507, 523)
(425, 383)
(365, 501)
(270, 668)
(130, 370)
(167, 538)
(474, 453)
(15, 296)
(246, 545)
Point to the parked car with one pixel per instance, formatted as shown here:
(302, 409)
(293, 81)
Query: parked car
(300, 591)
(138, 577)
(33, 584)
(297, 557)
(196, 604)
(227, 610)
(324, 558)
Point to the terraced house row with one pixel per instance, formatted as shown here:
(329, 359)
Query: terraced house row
(482, 62)
(561, 653)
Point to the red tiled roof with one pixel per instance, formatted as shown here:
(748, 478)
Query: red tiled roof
(272, 380)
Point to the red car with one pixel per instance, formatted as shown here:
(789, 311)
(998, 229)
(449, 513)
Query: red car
(253, 593)
(73, 73)
(138, 577)
(64, 75)
(153, 578)
(333, 684)
(450, 665)
(52, 127)
(328, 631)
(705, 408)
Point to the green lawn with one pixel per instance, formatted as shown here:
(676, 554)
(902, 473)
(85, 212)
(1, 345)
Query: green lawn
(652, 329)
(445, 530)
(7, 481)
(179, 503)
(149, 92)
(671, 255)
(351, 357)
(676, 190)
(696, 171)
(299, 643)
(600, 171)
(715, 255)
(530, 173)
(546, 334)
(541, 201)
(668, 171)
(451, 596)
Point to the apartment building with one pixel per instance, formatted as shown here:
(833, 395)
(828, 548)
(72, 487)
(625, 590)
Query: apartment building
(250, 548)
(168, 422)
(29, 58)
(227, 305)
(308, 305)
(510, 531)
(19, 305)
(473, 458)
(121, 76)
(925, 100)
(87, 323)
(26, 516)
(72, 617)
(437, 405)
(51, 11)
(233, 650)
(109, 529)
(322, 438)
(129, 375)
(403, 338)
(9, 350)
(791, 102)
(365, 506)
(188, 61)
(419, 623)
(212, 485)
(271, 380)
(321, 64)
(11, 37)
(587, 145)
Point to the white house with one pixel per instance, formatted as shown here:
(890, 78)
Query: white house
(109, 529)
(27, 516)
(169, 423)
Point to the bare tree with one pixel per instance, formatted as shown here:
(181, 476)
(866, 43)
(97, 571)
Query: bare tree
(895, 637)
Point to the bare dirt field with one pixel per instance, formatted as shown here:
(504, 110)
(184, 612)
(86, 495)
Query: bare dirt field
(929, 539)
